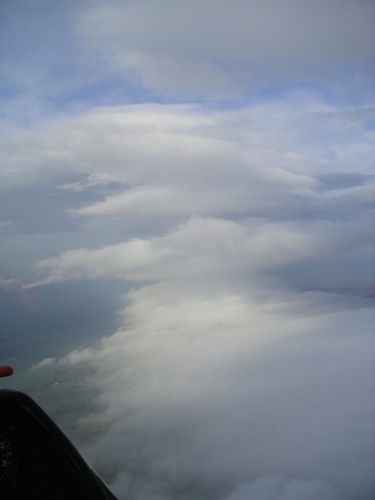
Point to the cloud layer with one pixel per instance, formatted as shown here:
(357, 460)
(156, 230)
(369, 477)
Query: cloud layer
(217, 157)
(222, 381)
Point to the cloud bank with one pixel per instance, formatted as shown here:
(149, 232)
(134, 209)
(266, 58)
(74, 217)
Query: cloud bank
(221, 389)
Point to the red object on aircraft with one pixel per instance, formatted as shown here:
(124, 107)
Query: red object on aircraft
(5, 371)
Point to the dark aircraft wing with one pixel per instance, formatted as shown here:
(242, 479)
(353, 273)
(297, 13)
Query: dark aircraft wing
(37, 461)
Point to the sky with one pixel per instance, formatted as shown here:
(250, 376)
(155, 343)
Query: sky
(217, 160)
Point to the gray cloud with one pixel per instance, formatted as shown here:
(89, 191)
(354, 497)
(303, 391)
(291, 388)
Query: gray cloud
(280, 489)
(69, 59)
(192, 49)
(345, 181)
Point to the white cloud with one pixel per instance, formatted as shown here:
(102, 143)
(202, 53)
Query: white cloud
(207, 246)
(45, 362)
(212, 386)
(260, 160)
